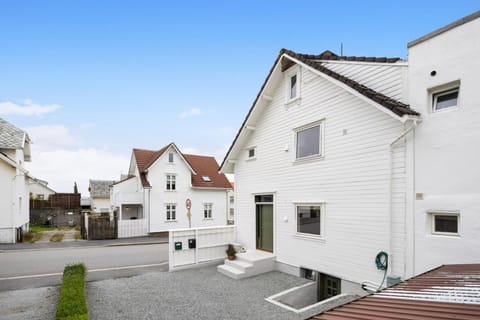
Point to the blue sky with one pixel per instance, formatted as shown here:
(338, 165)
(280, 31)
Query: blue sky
(90, 81)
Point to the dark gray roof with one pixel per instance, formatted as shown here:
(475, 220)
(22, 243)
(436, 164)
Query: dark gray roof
(100, 188)
(11, 137)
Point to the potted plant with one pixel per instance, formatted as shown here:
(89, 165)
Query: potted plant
(231, 252)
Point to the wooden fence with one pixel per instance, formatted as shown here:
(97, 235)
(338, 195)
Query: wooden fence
(58, 200)
(101, 228)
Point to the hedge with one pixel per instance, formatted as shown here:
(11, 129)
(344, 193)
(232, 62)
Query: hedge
(72, 304)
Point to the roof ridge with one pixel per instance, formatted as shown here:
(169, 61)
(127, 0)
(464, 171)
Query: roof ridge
(329, 55)
(397, 107)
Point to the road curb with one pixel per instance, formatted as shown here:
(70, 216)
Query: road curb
(133, 244)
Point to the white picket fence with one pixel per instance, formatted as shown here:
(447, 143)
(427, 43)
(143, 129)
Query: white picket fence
(211, 243)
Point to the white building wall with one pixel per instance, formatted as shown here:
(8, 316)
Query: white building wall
(101, 205)
(447, 146)
(387, 78)
(37, 189)
(353, 179)
(7, 174)
(159, 197)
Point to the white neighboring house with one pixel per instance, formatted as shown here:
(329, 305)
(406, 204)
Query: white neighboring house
(39, 189)
(152, 198)
(327, 168)
(14, 202)
(100, 195)
(444, 87)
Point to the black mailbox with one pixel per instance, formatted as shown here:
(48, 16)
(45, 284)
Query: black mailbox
(192, 243)
(178, 245)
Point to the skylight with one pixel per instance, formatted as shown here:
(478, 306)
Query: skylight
(206, 179)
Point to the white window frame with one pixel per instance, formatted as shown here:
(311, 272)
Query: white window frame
(440, 93)
(171, 157)
(321, 149)
(170, 181)
(436, 213)
(170, 211)
(289, 74)
(207, 207)
(311, 236)
(206, 178)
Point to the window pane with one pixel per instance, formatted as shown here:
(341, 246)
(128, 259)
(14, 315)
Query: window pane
(446, 224)
(293, 87)
(251, 153)
(264, 198)
(308, 219)
(170, 157)
(308, 142)
(446, 100)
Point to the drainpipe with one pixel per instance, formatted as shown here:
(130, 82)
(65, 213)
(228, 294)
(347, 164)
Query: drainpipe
(390, 186)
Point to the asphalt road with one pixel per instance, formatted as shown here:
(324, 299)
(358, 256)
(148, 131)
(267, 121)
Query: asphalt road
(39, 268)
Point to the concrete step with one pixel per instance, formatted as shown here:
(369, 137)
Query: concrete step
(239, 264)
(248, 264)
(231, 272)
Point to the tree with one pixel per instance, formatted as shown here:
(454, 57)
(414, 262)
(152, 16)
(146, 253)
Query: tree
(75, 188)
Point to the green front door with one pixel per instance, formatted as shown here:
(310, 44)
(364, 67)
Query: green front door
(264, 222)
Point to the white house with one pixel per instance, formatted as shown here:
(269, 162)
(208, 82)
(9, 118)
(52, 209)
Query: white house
(153, 197)
(100, 195)
(14, 202)
(444, 87)
(39, 189)
(336, 169)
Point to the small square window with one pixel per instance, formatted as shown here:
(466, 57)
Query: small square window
(308, 141)
(206, 179)
(444, 223)
(170, 157)
(308, 219)
(251, 153)
(445, 100)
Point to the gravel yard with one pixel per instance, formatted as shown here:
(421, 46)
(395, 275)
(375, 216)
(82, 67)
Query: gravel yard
(35, 304)
(190, 294)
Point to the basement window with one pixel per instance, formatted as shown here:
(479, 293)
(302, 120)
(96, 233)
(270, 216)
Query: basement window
(445, 223)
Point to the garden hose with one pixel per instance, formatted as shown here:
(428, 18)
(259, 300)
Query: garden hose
(381, 260)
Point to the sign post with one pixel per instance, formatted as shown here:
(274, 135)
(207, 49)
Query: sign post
(188, 205)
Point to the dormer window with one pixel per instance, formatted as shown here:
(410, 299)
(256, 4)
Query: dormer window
(170, 157)
(206, 179)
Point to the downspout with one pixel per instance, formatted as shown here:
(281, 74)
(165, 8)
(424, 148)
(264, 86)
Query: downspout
(390, 187)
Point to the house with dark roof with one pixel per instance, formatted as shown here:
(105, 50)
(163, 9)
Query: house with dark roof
(14, 189)
(100, 195)
(355, 170)
(153, 197)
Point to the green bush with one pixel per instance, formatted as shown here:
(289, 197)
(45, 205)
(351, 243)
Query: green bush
(72, 304)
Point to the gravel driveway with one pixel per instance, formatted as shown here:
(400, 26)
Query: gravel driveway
(35, 304)
(190, 294)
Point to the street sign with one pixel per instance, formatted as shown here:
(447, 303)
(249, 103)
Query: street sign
(188, 204)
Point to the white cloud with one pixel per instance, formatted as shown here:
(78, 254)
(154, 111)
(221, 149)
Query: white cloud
(61, 168)
(50, 137)
(194, 112)
(29, 108)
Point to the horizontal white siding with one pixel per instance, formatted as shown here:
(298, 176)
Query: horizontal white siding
(384, 78)
(353, 179)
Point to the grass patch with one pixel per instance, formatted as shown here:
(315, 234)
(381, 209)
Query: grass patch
(72, 304)
(57, 237)
(32, 237)
(37, 228)
(77, 235)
